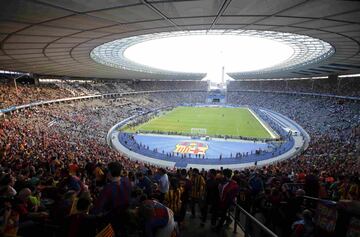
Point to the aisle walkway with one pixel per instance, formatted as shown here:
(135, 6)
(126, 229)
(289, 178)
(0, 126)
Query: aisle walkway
(193, 229)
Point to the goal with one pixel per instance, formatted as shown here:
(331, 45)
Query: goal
(198, 131)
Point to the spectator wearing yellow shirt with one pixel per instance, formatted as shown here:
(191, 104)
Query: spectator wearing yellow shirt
(99, 175)
(173, 198)
(197, 190)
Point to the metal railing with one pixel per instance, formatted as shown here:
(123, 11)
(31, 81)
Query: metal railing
(251, 226)
(319, 200)
(329, 219)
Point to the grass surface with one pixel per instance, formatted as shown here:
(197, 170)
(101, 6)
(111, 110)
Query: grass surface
(217, 121)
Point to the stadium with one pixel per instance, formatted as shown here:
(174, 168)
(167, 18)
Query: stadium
(176, 118)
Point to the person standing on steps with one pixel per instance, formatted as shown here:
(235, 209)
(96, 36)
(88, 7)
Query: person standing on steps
(197, 190)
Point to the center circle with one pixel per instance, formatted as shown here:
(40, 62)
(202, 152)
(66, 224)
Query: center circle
(201, 53)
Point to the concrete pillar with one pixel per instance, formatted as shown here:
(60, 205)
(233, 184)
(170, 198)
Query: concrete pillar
(312, 85)
(334, 82)
(36, 81)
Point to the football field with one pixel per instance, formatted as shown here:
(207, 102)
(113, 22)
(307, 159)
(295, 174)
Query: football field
(213, 120)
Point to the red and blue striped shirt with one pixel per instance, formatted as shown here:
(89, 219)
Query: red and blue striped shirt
(114, 196)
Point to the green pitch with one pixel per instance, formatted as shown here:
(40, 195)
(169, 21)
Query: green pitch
(216, 121)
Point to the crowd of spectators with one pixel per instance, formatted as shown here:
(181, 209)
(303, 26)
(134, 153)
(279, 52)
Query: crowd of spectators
(50, 89)
(42, 143)
(348, 86)
(25, 94)
(59, 177)
(334, 117)
(332, 158)
(145, 85)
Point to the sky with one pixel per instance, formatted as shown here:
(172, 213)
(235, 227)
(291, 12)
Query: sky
(209, 53)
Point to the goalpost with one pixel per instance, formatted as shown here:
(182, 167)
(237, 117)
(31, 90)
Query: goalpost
(198, 131)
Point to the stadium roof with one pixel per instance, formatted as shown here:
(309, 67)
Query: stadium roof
(55, 37)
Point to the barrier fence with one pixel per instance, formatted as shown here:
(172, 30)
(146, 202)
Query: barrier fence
(249, 224)
(333, 219)
(330, 219)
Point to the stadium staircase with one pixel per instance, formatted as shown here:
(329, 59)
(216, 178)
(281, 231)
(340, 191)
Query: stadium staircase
(192, 228)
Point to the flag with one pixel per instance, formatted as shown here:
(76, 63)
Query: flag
(196, 148)
(108, 231)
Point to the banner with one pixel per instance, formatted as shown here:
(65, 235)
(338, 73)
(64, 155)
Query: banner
(354, 228)
(326, 216)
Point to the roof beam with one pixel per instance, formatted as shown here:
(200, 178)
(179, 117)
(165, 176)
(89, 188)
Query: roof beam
(157, 11)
